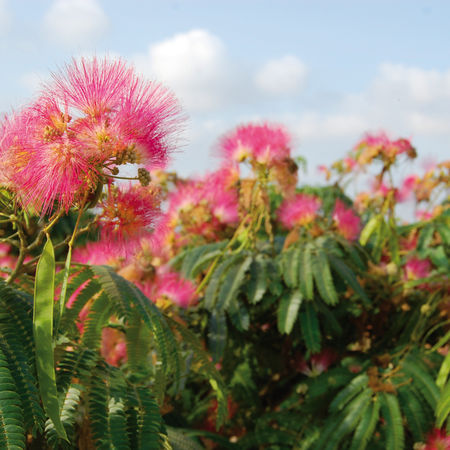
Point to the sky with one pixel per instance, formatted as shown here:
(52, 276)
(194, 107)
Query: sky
(329, 71)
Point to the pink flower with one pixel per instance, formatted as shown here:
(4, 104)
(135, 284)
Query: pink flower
(266, 144)
(97, 253)
(121, 109)
(114, 347)
(170, 285)
(299, 210)
(317, 364)
(374, 145)
(416, 269)
(347, 222)
(127, 214)
(205, 206)
(6, 259)
(89, 120)
(438, 440)
(422, 214)
(404, 193)
(350, 163)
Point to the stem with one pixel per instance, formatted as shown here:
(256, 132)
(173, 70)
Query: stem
(21, 257)
(62, 299)
(45, 231)
(217, 258)
(120, 178)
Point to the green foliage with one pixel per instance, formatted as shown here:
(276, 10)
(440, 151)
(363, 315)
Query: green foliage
(121, 405)
(43, 334)
(12, 434)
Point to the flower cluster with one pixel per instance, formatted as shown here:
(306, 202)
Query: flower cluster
(299, 211)
(380, 146)
(93, 117)
(266, 148)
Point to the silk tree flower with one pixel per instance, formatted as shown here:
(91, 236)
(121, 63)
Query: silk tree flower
(94, 116)
(407, 188)
(438, 439)
(127, 214)
(205, 206)
(347, 222)
(13, 156)
(299, 210)
(114, 346)
(125, 112)
(51, 165)
(317, 364)
(168, 285)
(222, 196)
(98, 253)
(417, 268)
(263, 146)
(266, 144)
(379, 145)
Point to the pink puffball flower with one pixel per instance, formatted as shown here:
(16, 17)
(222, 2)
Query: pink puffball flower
(347, 222)
(94, 116)
(114, 347)
(437, 440)
(416, 269)
(424, 215)
(317, 364)
(379, 145)
(98, 253)
(171, 286)
(127, 214)
(406, 190)
(124, 111)
(298, 210)
(266, 144)
(58, 168)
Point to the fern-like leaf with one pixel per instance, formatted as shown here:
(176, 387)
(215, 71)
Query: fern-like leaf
(288, 311)
(394, 432)
(205, 367)
(443, 406)
(232, 284)
(422, 379)
(351, 390)
(310, 327)
(212, 290)
(68, 416)
(217, 334)
(323, 278)
(366, 426)
(12, 432)
(306, 275)
(416, 413)
(258, 284)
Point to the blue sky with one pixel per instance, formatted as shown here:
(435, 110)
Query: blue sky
(327, 70)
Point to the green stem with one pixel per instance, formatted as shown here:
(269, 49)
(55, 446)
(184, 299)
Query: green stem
(62, 298)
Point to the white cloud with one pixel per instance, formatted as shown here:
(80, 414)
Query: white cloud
(194, 65)
(402, 100)
(75, 23)
(314, 125)
(286, 75)
(5, 18)
(419, 85)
